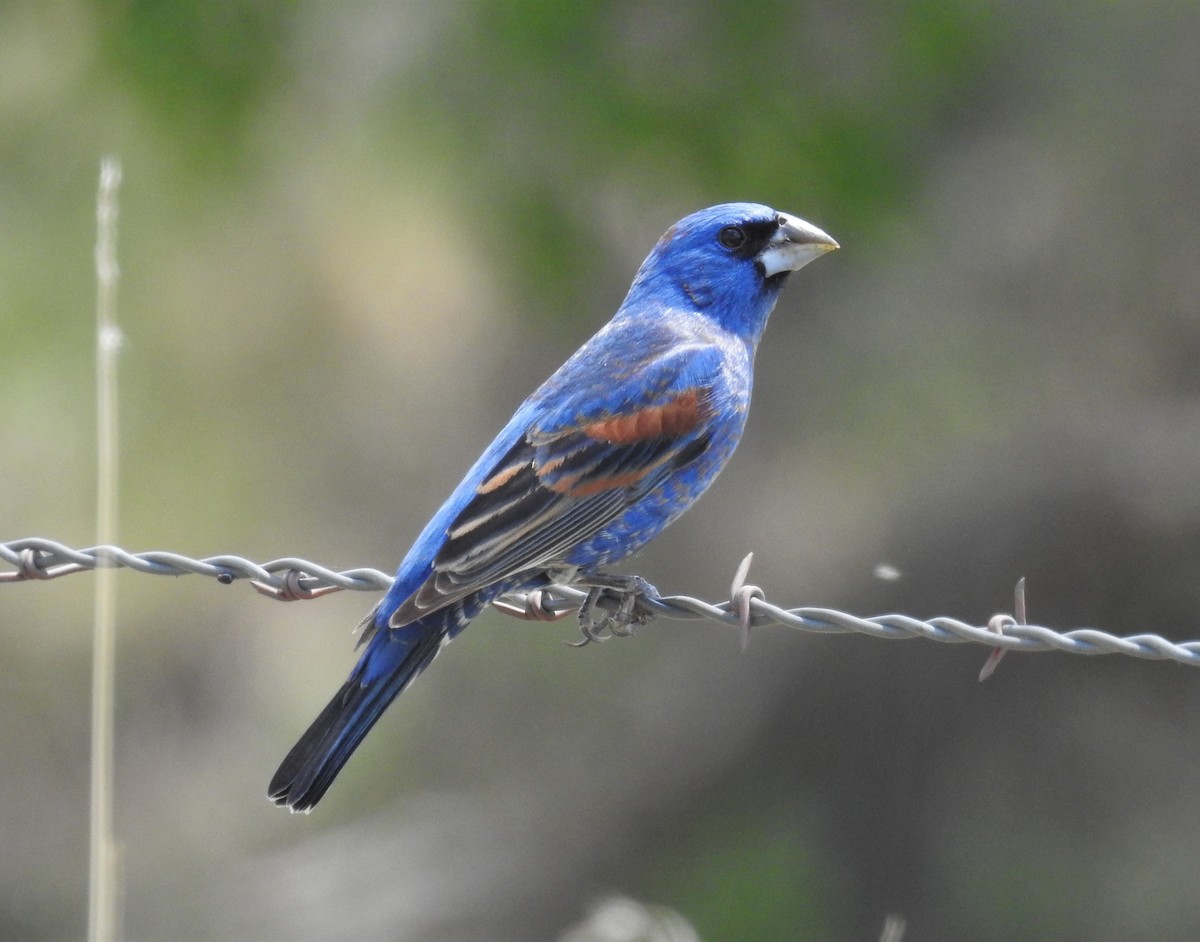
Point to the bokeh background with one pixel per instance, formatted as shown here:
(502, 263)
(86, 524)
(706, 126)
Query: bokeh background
(354, 235)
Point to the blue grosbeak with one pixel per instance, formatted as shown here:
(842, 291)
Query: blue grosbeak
(614, 446)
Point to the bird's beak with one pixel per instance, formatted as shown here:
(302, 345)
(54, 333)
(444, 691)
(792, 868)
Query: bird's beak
(794, 245)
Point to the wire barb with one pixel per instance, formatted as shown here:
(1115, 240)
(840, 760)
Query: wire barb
(536, 607)
(998, 623)
(36, 558)
(740, 596)
(291, 587)
(29, 566)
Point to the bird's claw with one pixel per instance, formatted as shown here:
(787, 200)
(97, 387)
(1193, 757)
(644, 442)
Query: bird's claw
(614, 608)
(592, 626)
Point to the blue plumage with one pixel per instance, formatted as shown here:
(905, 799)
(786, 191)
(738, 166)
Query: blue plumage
(614, 446)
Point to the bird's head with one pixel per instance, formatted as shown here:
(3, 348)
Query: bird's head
(728, 262)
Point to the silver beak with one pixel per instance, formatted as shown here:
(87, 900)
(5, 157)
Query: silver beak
(794, 245)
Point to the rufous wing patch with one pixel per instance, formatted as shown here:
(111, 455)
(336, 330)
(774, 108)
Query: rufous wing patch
(670, 420)
(592, 486)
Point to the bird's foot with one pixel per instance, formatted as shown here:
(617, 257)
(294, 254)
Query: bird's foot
(615, 606)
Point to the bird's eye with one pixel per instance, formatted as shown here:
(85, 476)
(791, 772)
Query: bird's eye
(732, 237)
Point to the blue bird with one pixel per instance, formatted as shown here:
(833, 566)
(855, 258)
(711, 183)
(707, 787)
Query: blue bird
(613, 447)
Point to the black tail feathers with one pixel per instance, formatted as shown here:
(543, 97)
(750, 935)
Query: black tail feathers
(314, 762)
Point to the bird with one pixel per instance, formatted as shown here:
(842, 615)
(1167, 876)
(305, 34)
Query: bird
(607, 452)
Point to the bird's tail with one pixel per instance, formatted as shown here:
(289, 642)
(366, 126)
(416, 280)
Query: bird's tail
(389, 664)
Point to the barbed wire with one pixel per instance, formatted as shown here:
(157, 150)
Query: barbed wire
(293, 579)
(288, 579)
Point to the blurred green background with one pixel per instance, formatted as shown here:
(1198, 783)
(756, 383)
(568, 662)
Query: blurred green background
(354, 235)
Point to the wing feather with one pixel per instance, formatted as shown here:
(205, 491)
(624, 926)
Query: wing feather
(560, 484)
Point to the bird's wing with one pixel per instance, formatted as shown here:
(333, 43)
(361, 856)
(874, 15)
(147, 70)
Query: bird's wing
(574, 470)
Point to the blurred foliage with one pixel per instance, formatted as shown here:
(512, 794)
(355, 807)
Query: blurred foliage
(200, 67)
(540, 109)
(752, 877)
(338, 222)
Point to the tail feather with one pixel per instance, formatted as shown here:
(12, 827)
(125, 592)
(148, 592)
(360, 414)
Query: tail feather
(392, 659)
(314, 762)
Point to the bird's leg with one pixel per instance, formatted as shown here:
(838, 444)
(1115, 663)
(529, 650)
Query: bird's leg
(590, 624)
(615, 605)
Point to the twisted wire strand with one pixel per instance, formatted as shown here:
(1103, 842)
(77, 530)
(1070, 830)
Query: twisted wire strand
(292, 578)
(38, 558)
